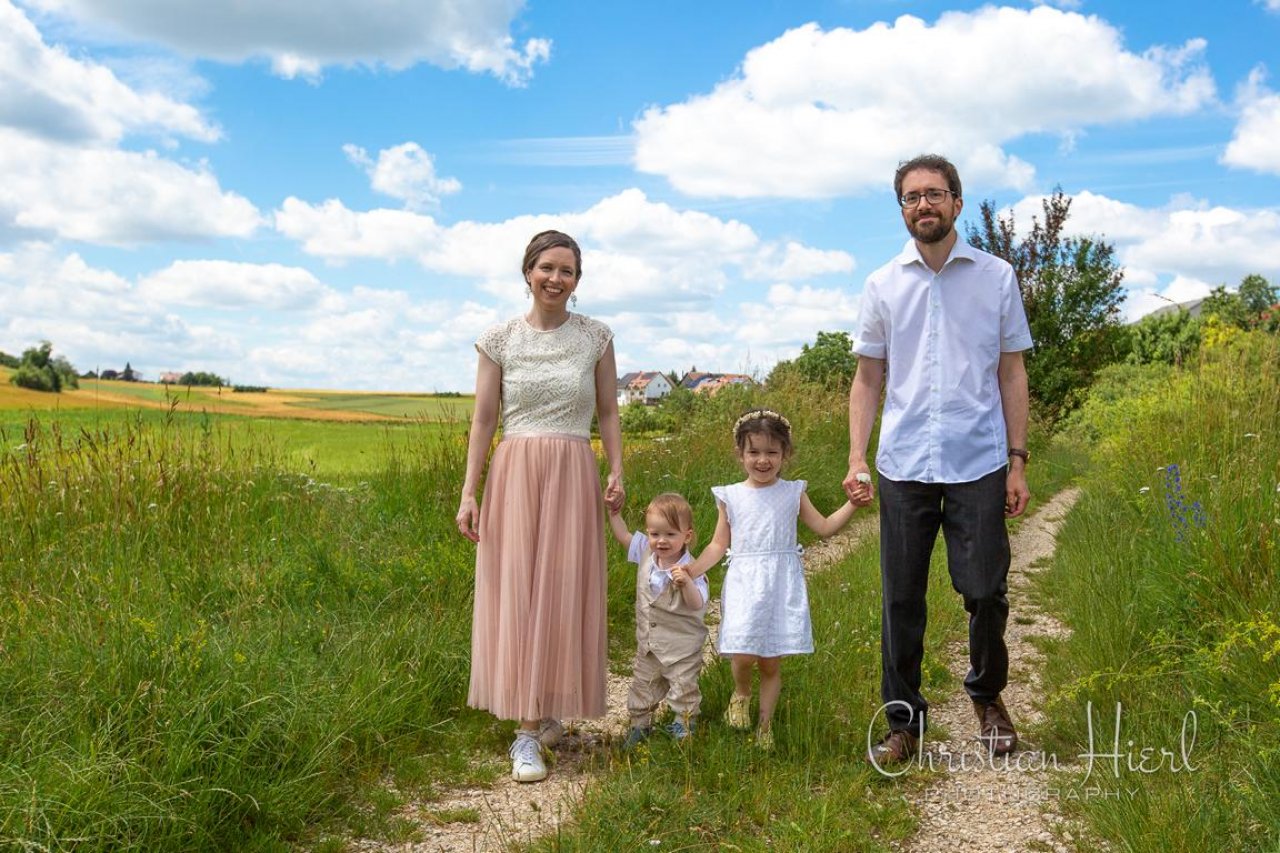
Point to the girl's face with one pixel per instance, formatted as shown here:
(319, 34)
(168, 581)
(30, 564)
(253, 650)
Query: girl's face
(762, 459)
(666, 541)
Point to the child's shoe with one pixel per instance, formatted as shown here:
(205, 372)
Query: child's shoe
(764, 740)
(681, 729)
(739, 714)
(526, 758)
(635, 737)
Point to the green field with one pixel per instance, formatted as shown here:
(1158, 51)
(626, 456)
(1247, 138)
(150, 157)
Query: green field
(220, 632)
(394, 405)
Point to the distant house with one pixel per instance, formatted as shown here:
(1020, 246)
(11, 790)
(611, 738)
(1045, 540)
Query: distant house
(170, 377)
(710, 383)
(644, 386)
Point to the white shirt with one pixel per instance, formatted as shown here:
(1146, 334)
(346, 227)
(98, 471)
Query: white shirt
(658, 576)
(941, 336)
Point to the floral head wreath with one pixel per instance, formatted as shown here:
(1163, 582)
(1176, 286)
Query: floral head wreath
(759, 414)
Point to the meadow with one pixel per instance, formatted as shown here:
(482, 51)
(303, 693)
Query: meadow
(211, 639)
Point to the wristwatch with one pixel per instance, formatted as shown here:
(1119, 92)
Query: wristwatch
(1024, 455)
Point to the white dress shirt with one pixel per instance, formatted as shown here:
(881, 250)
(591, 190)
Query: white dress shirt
(941, 336)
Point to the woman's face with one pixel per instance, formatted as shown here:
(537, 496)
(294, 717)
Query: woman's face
(553, 278)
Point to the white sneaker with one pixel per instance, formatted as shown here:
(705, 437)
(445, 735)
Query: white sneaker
(526, 759)
(550, 730)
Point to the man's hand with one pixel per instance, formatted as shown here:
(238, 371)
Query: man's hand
(1016, 493)
(857, 484)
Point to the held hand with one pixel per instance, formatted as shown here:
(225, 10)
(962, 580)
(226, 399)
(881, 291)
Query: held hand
(614, 494)
(857, 484)
(468, 519)
(1016, 493)
(679, 576)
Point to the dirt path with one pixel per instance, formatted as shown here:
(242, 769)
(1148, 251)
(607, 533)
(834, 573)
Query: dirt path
(509, 812)
(980, 804)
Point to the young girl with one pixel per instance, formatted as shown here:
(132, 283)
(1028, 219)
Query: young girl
(764, 605)
(670, 608)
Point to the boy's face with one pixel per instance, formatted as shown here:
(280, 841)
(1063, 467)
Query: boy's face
(666, 541)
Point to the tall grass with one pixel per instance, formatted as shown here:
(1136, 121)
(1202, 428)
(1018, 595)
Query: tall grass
(1167, 572)
(202, 649)
(199, 650)
(815, 792)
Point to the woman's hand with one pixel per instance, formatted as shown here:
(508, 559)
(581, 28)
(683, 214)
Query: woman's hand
(468, 519)
(614, 494)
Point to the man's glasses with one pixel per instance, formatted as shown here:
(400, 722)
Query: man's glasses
(931, 196)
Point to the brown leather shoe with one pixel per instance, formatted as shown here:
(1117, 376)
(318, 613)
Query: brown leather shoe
(995, 729)
(896, 747)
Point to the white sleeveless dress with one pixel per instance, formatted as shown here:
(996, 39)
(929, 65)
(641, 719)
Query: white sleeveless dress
(764, 603)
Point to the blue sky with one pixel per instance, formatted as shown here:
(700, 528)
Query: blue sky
(337, 194)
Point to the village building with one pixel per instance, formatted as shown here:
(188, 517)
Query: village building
(645, 386)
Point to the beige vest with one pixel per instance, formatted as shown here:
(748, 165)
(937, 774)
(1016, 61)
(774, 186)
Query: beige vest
(665, 625)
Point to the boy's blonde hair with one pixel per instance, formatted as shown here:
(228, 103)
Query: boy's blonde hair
(675, 510)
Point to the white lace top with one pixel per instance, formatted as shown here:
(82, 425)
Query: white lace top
(548, 378)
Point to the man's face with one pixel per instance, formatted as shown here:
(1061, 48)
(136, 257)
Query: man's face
(929, 223)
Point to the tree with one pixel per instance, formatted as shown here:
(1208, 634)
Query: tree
(129, 374)
(1072, 291)
(202, 378)
(39, 370)
(1257, 294)
(830, 361)
(1165, 338)
(1248, 308)
(1227, 307)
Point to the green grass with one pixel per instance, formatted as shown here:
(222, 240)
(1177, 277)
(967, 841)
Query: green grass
(1173, 607)
(395, 405)
(330, 449)
(225, 633)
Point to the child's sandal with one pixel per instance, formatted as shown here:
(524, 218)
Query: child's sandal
(738, 716)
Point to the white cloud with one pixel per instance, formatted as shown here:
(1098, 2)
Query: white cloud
(1269, 5)
(406, 172)
(47, 93)
(301, 37)
(1142, 302)
(1186, 242)
(819, 113)
(1254, 145)
(228, 284)
(101, 320)
(636, 251)
(333, 231)
(106, 195)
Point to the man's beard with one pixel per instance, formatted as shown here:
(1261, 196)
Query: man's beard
(931, 232)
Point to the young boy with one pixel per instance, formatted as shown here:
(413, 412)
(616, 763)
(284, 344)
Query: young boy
(670, 608)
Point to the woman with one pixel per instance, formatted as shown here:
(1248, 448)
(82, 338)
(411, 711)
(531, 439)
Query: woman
(538, 632)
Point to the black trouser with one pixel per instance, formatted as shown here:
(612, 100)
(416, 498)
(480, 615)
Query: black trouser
(971, 516)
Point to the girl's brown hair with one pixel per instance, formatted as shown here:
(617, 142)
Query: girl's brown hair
(766, 423)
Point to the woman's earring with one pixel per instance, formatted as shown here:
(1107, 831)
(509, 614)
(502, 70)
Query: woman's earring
(528, 293)
(574, 300)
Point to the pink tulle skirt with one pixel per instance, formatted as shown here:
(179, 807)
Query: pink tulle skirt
(538, 631)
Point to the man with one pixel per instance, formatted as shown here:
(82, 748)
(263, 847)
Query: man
(944, 323)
